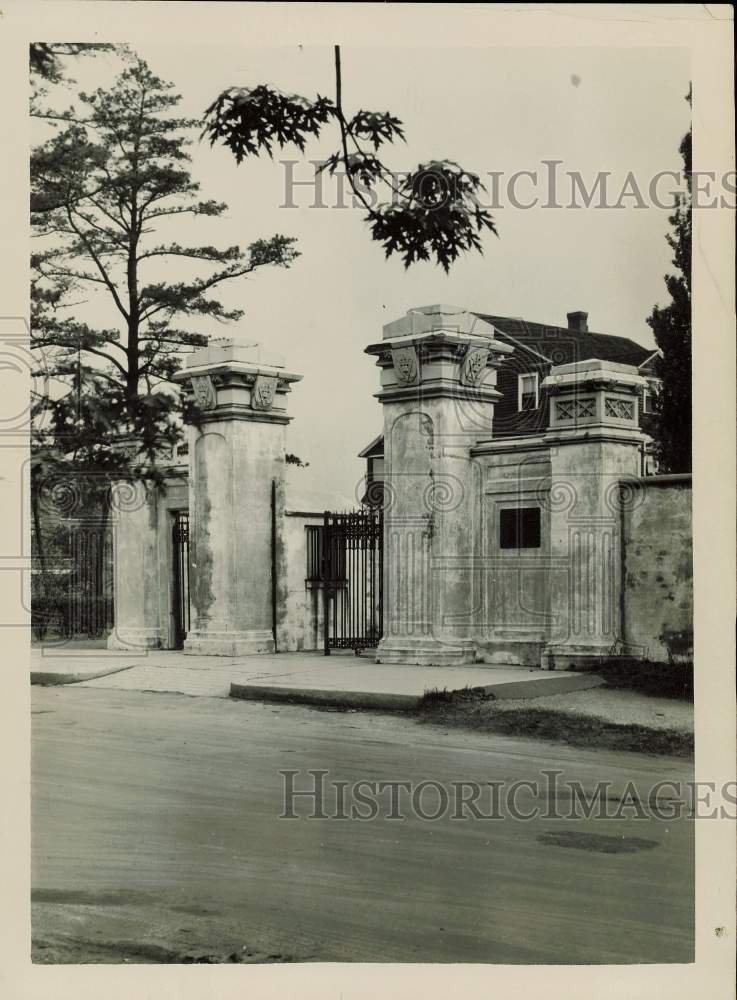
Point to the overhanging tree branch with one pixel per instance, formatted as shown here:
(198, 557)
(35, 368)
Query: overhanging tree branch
(434, 212)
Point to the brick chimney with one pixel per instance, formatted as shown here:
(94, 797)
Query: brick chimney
(578, 321)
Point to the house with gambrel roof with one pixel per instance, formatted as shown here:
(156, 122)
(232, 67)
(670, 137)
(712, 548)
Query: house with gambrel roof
(523, 406)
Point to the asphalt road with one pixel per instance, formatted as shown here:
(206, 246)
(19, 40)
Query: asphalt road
(156, 837)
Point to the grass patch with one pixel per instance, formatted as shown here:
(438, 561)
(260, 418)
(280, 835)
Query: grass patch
(471, 711)
(659, 680)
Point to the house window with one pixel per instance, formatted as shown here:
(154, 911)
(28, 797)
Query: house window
(375, 468)
(527, 391)
(519, 528)
(650, 395)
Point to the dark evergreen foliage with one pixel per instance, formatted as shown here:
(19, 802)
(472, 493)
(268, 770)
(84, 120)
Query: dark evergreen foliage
(671, 325)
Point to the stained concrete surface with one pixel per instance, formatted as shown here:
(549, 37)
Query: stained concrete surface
(155, 838)
(331, 678)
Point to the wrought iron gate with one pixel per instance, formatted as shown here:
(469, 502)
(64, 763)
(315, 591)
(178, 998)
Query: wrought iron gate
(180, 564)
(352, 576)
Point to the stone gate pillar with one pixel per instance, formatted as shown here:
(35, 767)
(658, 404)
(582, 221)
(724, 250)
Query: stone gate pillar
(595, 449)
(236, 453)
(438, 377)
(137, 568)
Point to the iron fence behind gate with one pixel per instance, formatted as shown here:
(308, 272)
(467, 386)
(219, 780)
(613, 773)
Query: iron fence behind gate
(180, 563)
(352, 576)
(72, 586)
(90, 607)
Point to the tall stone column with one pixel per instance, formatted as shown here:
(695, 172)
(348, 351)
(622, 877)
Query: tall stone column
(438, 377)
(236, 453)
(137, 568)
(595, 448)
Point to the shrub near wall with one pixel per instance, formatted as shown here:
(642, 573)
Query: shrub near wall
(658, 569)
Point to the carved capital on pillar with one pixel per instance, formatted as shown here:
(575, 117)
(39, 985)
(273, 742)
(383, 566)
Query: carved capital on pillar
(594, 398)
(231, 381)
(439, 351)
(204, 391)
(406, 365)
(473, 366)
(263, 392)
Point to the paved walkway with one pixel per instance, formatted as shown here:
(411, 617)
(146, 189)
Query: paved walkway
(340, 679)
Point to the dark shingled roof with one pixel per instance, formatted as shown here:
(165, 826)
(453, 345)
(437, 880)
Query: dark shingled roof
(557, 345)
(562, 346)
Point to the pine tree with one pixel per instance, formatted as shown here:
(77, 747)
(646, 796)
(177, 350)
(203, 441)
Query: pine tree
(102, 187)
(47, 58)
(671, 325)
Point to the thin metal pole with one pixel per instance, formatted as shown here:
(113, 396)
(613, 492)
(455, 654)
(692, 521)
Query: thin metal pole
(188, 622)
(176, 567)
(381, 537)
(324, 570)
(273, 563)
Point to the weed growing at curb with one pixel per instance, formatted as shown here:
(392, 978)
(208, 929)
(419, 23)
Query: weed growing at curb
(468, 709)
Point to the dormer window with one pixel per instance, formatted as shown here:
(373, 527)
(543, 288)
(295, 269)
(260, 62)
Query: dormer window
(528, 391)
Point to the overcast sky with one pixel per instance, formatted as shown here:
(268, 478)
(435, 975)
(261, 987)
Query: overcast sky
(498, 110)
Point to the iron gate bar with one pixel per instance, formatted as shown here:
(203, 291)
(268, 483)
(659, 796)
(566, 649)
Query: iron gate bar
(314, 552)
(181, 601)
(352, 578)
(273, 564)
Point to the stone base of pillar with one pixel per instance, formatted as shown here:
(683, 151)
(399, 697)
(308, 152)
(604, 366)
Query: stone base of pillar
(510, 652)
(425, 652)
(135, 639)
(584, 656)
(245, 643)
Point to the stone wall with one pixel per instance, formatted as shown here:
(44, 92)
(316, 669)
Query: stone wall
(174, 498)
(513, 618)
(142, 523)
(299, 601)
(658, 568)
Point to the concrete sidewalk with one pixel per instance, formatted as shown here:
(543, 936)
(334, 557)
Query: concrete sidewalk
(341, 680)
(73, 662)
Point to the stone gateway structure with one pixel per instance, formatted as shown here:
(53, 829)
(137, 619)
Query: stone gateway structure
(236, 471)
(539, 542)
